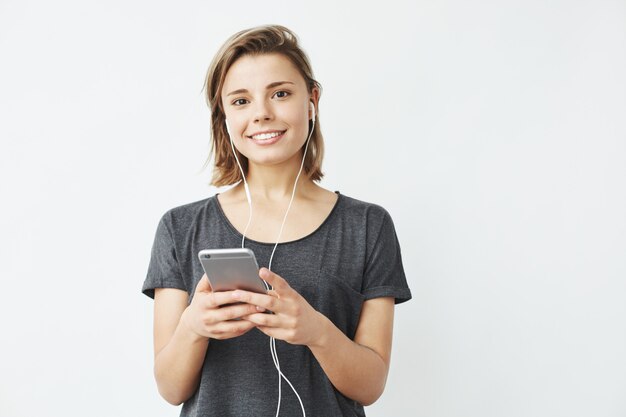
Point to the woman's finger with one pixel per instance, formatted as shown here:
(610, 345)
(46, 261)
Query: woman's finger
(277, 282)
(264, 320)
(265, 301)
(219, 298)
(230, 329)
(234, 311)
(276, 332)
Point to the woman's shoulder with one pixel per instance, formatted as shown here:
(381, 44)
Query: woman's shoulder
(186, 213)
(362, 217)
(360, 208)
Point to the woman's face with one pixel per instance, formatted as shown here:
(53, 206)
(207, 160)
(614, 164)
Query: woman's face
(267, 108)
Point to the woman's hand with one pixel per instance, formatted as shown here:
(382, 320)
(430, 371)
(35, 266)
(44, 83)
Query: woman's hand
(294, 320)
(206, 317)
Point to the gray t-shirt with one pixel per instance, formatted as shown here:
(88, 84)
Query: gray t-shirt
(352, 257)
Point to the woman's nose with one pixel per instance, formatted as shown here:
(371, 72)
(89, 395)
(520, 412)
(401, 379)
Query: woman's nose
(262, 111)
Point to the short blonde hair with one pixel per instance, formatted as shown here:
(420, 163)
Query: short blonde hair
(255, 41)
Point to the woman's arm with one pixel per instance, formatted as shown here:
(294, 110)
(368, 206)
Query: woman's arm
(358, 369)
(178, 352)
(182, 333)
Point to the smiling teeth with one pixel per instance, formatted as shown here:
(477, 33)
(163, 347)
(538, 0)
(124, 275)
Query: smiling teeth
(266, 136)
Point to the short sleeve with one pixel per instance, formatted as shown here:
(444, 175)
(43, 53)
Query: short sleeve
(384, 274)
(164, 270)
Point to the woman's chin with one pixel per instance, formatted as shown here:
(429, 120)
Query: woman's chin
(273, 159)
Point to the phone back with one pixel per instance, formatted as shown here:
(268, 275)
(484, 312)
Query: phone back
(231, 269)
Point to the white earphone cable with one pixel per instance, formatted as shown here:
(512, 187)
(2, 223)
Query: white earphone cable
(245, 186)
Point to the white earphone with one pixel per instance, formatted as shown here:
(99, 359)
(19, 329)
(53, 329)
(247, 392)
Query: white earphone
(312, 106)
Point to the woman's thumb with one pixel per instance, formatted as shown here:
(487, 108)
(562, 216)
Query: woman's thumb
(204, 285)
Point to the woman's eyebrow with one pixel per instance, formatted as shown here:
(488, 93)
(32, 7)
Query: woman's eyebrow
(272, 85)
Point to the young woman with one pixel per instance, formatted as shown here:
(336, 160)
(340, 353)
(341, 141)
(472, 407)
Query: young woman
(336, 268)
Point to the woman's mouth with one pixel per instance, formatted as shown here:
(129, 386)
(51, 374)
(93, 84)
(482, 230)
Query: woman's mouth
(267, 138)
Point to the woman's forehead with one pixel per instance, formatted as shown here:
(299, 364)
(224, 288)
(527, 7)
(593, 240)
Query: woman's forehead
(256, 72)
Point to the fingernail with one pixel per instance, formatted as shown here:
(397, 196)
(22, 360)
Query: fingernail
(237, 295)
(259, 308)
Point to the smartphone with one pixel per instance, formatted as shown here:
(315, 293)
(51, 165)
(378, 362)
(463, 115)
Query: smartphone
(232, 269)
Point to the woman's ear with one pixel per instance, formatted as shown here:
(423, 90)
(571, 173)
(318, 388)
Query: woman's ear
(314, 99)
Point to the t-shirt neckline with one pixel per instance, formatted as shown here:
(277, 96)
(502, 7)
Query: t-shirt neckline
(239, 235)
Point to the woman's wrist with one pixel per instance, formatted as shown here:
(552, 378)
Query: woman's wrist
(323, 335)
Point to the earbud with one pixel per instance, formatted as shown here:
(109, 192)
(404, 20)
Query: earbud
(312, 106)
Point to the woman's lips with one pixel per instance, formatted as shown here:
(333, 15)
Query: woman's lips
(265, 142)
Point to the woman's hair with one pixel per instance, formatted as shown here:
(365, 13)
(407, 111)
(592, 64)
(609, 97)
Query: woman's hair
(255, 41)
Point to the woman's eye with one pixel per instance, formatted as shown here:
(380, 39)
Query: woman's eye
(285, 94)
(236, 102)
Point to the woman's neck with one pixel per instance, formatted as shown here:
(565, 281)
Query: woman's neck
(275, 182)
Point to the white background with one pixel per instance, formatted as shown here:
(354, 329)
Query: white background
(493, 132)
